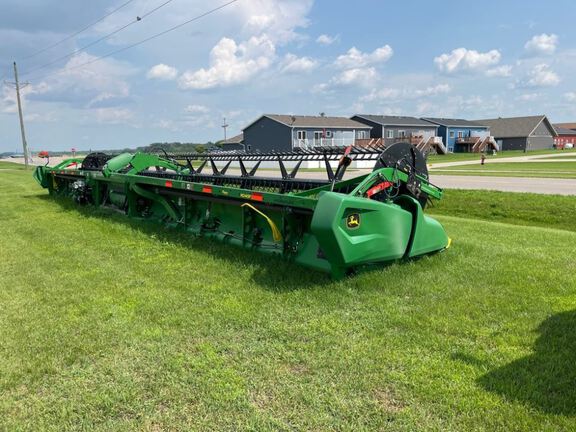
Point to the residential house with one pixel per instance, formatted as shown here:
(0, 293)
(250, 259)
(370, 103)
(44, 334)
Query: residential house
(392, 129)
(566, 125)
(564, 136)
(276, 132)
(234, 143)
(461, 135)
(522, 133)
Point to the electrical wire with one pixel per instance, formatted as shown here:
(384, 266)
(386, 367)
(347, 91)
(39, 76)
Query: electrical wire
(83, 29)
(103, 38)
(196, 18)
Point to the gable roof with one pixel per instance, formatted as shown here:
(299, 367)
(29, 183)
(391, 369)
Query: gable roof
(565, 125)
(236, 139)
(313, 121)
(564, 131)
(448, 122)
(516, 127)
(395, 120)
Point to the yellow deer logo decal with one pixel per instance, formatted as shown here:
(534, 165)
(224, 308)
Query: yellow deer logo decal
(353, 221)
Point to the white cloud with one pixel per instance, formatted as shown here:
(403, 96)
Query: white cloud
(387, 94)
(528, 97)
(462, 59)
(325, 39)
(539, 76)
(499, 71)
(162, 72)
(433, 90)
(570, 96)
(355, 58)
(357, 76)
(98, 85)
(113, 115)
(295, 64)
(195, 109)
(231, 63)
(542, 44)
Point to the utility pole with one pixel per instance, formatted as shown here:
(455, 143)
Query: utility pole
(16, 83)
(224, 126)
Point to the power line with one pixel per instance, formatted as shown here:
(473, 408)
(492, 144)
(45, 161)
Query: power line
(107, 36)
(70, 36)
(196, 18)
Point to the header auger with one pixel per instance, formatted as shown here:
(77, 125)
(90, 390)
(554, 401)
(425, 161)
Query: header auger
(327, 222)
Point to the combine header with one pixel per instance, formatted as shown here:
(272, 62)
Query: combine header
(325, 222)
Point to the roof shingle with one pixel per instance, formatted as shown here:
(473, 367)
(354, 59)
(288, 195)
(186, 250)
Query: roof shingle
(395, 120)
(315, 121)
(513, 127)
(449, 122)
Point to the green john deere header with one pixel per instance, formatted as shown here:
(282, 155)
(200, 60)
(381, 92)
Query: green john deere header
(328, 223)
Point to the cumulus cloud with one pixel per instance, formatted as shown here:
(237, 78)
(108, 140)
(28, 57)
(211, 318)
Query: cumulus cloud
(355, 58)
(499, 71)
(231, 63)
(528, 97)
(543, 44)
(195, 109)
(101, 84)
(465, 60)
(325, 39)
(405, 93)
(113, 115)
(268, 24)
(539, 76)
(295, 64)
(162, 72)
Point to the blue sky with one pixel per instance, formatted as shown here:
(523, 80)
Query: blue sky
(450, 58)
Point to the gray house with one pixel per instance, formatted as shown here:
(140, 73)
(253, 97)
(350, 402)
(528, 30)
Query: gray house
(522, 133)
(391, 129)
(277, 132)
(396, 128)
(234, 143)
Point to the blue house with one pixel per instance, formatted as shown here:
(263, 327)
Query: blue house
(461, 135)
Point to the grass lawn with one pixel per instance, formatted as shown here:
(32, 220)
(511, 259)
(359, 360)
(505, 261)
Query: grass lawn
(107, 324)
(550, 169)
(455, 157)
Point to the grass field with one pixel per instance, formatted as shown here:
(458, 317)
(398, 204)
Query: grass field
(456, 157)
(107, 324)
(546, 169)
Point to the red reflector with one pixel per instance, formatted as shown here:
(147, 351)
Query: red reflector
(257, 197)
(168, 183)
(206, 189)
(378, 188)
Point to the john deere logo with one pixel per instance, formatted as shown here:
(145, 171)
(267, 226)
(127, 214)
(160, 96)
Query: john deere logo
(353, 221)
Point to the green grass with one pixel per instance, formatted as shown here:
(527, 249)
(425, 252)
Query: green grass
(514, 169)
(525, 209)
(456, 157)
(12, 165)
(107, 324)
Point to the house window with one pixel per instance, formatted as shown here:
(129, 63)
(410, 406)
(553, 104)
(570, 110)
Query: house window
(401, 134)
(390, 133)
(451, 134)
(460, 134)
(301, 134)
(328, 134)
(249, 147)
(361, 134)
(318, 135)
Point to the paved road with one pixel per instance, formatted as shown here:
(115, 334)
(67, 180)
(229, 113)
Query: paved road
(507, 184)
(489, 160)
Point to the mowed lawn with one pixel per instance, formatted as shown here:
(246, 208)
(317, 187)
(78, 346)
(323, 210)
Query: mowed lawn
(546, 169)
(107, 324)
